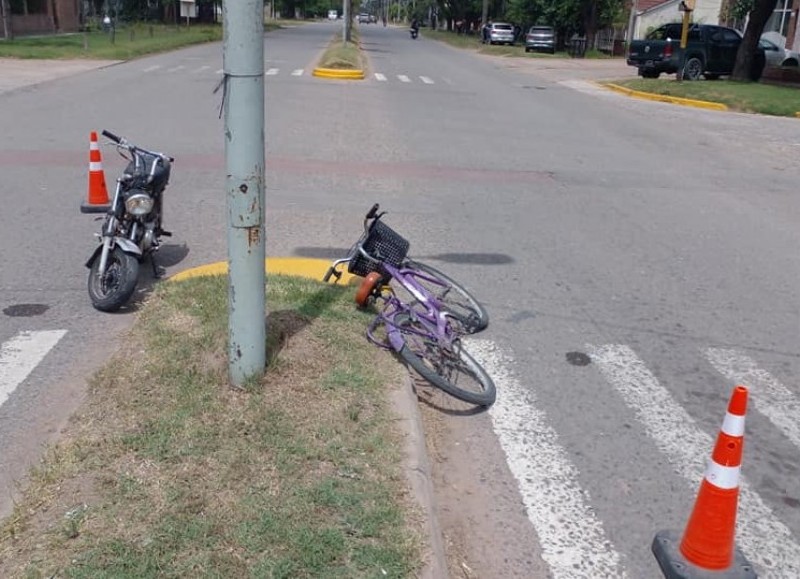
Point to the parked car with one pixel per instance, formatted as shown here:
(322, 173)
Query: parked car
(332, 15)
(777, 56)
(363, 18)
(541, 38)
(499, 33)
(710, 52)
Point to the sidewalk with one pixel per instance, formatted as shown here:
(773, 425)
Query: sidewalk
(18, 73)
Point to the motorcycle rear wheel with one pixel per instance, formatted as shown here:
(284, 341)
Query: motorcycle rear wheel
(118, 283)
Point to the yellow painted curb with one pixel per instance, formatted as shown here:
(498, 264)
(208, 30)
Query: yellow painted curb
(297, 266)
(339, 73)
(667, 99)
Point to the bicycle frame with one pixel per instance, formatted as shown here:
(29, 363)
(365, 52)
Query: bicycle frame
(432, 318)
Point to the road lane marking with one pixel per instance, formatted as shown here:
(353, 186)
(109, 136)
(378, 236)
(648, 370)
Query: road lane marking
(426, 80)
(403, 78)
(176, 68)
(380, 77)
(575, 547)
(770, 397)
(202, 68)
(21, 354)
(765, 540)
(297, 72)
(152, 68)
(272, 72)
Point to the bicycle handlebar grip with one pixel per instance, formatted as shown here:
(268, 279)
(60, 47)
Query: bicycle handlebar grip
(328, 274)
(111, 136)
(373, 211)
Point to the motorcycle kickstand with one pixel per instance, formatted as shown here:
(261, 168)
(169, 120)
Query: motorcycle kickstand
(158, 271)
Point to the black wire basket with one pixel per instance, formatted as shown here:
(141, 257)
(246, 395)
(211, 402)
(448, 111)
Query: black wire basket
(384, 245)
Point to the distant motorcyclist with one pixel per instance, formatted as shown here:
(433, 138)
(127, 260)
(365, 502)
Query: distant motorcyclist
(414, 28)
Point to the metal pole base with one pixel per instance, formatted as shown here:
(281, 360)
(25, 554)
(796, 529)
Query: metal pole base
(675, 566)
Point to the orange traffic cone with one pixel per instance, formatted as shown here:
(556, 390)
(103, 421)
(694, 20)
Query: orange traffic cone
(708, 540)
(97, 201)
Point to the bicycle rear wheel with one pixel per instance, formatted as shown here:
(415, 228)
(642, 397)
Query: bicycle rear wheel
(453, 370)
(454, 298)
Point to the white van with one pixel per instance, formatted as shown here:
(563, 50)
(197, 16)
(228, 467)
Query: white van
(332, 15)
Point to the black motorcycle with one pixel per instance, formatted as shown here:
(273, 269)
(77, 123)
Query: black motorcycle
(132, 228)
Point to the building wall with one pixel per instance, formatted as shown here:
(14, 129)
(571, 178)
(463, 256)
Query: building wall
(66, 17)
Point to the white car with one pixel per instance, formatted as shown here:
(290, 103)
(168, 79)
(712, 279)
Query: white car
(332, 15)
(777, 56)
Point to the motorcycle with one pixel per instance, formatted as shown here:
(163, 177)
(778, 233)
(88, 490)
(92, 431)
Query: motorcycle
(414, 32)
(132, 228)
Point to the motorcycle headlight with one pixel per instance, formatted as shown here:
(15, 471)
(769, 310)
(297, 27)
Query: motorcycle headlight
(139, 204)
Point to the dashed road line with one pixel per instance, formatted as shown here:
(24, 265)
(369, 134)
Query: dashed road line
(576, 547)
(21, 354)
(770, 397)
(764, 539)
(403, 78)
(426, 80)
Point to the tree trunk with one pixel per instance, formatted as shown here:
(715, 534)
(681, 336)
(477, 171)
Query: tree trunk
(745, 58)
(5, 10)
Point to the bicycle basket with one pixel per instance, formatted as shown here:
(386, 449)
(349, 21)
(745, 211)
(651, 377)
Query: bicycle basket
(383, 244)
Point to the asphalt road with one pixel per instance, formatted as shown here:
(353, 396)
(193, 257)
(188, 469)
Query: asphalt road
(637, 259)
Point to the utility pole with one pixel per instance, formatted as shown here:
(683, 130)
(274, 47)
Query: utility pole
(687, 7)
(243, 64)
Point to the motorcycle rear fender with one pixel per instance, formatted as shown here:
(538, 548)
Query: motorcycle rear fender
(126, 244)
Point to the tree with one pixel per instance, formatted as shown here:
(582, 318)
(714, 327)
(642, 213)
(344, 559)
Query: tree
(746, 61)
(5, 10)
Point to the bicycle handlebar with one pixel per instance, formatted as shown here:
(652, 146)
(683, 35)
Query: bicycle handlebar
(112, 136)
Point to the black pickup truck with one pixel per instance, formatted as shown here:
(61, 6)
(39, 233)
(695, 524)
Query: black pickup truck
(710, 52)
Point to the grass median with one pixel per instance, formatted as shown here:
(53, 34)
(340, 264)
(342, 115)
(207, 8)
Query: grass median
(167, 471)
(126, 41)
(749, 97)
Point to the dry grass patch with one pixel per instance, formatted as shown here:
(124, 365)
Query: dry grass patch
(168, 471)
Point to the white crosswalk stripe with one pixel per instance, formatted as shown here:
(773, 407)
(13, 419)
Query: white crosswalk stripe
(176, 68)
(272, 71)
(380, 77)
(577, 547)
(426, 80)
(763, 538)
(770, 397)
(297, 72)
(21, 354)
(152, 68)
(403, 78)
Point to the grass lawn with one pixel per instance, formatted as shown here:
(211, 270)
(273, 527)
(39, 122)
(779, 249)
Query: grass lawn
(167, 471)
(738, 96)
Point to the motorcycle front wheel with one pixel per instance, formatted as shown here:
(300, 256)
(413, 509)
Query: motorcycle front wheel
(115, 288)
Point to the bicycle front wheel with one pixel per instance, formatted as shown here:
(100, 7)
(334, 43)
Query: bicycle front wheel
(452, 369)
(455, 299)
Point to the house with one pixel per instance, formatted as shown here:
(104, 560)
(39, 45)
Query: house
(648, 14)
(39, 16)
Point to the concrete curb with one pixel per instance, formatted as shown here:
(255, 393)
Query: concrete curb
(665, 98)
(404, 401)
(339, 73)
(419, 475)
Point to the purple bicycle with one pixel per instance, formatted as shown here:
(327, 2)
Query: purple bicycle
(424, 313)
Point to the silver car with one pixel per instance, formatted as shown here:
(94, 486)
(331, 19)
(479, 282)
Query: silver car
(777, 56)
(499, 33)
(541, 38)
